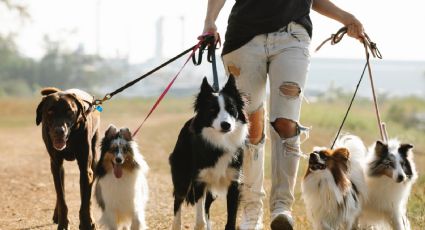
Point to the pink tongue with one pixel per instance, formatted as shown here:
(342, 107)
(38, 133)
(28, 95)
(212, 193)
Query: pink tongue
(118, 171)
(59, 144)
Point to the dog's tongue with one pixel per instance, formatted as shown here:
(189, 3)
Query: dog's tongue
(117, 171)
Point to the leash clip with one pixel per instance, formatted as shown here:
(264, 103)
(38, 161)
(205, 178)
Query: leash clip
(98, 102)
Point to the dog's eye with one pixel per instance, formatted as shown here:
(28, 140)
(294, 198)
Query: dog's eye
(50, 112)
(323, 156)
(233, 111)
(389, 164)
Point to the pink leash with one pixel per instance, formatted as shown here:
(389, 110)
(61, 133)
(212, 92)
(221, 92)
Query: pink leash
(201, 40)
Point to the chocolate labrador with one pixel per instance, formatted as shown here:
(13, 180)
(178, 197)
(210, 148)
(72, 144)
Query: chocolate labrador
(70, 131)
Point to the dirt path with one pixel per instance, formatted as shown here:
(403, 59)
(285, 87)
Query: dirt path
(27, 196)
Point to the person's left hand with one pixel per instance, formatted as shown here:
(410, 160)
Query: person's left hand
(354, 27)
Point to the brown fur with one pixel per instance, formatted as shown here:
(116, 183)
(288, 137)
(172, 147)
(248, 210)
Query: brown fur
(337, 163)
(67, 121)
(128, 165)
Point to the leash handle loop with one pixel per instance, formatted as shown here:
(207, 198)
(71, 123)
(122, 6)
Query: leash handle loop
(209, 43)
(368, 46)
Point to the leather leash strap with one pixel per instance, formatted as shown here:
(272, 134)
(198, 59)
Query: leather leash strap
(371, 47)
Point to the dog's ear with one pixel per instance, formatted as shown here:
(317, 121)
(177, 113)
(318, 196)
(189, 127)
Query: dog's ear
(342, 152)
(49, 90)
(126, 134)
(205, 92)
(404, 149)
(39, 112)
(206, 87)
(230, 87)
(111, 132)
(81, 113)
(380, 149)
(231, 90)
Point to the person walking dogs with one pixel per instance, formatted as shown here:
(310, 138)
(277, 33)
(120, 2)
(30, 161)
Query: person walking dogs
(271, 38)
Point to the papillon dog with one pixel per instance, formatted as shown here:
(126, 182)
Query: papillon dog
(390, 174)
(121, 189)
(207, 158)
(334, 187)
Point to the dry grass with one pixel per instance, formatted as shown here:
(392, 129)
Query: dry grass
(27, 193)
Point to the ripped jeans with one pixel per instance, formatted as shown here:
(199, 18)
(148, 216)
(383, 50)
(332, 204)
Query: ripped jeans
(282, 57)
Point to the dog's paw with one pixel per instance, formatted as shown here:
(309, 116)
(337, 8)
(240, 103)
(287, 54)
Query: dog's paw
(55, 217)
(90, 226)
(63, 226)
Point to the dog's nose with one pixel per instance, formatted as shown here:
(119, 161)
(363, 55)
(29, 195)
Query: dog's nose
(400, 178)
(225, 126)
(60, 131)
(118, 160)
(313, 158)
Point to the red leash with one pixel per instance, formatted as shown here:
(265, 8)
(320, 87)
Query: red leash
(201, 41)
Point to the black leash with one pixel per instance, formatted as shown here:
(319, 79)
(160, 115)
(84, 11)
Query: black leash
(108, 96)
(206, 40)
(349, 107)
(210, 45)
(368, 46)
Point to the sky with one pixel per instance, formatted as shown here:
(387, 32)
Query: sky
(126, 28)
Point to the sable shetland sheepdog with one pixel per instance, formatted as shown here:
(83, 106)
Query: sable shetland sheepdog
(121, 188)
(390, 175)
(334, 187)
(207, 158)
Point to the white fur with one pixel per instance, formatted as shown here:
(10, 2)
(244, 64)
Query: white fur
(230, 141)
(387, 201)
(323, 197)
(201, 220)
(220, 175)
(125, 198)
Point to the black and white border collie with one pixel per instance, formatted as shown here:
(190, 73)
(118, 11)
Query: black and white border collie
(390, 174)
(207, 159)
(334, 187)
(121, 189)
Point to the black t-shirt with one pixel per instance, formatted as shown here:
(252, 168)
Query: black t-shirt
(249, 18)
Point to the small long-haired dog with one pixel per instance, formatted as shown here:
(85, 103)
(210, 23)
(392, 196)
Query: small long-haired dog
(334, 187)
(121, 189)
(207, 158)
(390, 175)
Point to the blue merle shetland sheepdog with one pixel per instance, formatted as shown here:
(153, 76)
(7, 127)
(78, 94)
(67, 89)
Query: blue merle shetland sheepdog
(390, 175)
(121, 189)
(207, 159)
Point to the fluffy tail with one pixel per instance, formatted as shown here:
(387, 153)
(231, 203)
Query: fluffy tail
(354, 145)
(358, 154)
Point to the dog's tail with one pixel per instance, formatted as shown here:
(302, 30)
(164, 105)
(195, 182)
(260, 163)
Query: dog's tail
(354, 145)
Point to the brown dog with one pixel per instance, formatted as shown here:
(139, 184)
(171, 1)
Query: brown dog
(70, 131)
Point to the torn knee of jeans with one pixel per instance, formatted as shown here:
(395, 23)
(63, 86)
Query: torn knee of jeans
(290, 89)
(234, 70)
(299, 129)
(286, 128)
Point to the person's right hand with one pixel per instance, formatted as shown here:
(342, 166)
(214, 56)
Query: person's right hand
(210, 28)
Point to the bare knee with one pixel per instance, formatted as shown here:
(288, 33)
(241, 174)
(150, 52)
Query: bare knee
(256, 120)
(290, 89)
(284, 127)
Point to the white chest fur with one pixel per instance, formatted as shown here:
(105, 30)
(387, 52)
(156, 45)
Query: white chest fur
(219, 177)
